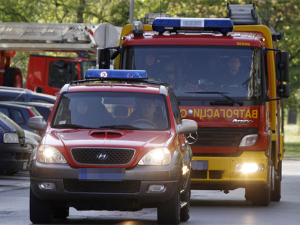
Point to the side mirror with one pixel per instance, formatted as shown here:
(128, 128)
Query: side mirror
(37, 123)
(187, 126)
(103, 58)
(283, 90)
(282, 66)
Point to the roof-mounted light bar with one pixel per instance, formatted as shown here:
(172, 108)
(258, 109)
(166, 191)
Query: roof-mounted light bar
(103, 74)
(223, 25)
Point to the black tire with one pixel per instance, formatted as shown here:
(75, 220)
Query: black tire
(13, 77)
(169, 212)
(60, 212)
(185, 197)
(276, 192)
(40, 210)
(260, 196)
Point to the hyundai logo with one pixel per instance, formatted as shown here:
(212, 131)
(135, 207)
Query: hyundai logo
(102, 156)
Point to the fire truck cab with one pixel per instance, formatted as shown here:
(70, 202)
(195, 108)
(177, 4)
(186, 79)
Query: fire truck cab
(230, 77)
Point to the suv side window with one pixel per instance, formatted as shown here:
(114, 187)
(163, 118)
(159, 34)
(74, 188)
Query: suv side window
(175, 108)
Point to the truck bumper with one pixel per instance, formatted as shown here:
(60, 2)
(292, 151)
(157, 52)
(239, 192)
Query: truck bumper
(132, 193)
(220, 173)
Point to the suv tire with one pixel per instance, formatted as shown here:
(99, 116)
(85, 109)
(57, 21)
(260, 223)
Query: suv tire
(169, 212)
(40, 210)
(60, 212)
(185, 197)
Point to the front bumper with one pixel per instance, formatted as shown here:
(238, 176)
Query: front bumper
(132, 193)
(13, 157)
(219, 173)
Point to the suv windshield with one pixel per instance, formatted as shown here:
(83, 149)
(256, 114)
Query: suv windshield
(113, 110)
(235, 71)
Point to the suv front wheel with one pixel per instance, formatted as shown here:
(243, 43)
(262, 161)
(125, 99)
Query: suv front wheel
(169, 212)
(40, 210)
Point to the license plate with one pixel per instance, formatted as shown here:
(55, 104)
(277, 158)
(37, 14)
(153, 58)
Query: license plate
(105, 174)
(199, 164)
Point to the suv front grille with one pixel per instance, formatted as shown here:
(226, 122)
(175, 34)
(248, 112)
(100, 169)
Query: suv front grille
(102, 156)
(127, 186)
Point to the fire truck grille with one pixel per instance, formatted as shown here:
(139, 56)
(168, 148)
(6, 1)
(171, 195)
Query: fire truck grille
(222, 137)
(102, 156)
(128, 186)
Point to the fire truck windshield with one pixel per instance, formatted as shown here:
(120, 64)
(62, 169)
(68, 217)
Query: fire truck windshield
(235, 71)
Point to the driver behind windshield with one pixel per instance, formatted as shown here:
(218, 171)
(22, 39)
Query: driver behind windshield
(148, 112)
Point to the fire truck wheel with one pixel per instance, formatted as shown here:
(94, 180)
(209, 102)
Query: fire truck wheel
(40, 210)
(260, 195)
(13, 77)
(169, 212)
(276, 192)
(185, 197)
(60, 212)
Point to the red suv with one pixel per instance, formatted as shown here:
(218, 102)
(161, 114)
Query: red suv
(115, 141)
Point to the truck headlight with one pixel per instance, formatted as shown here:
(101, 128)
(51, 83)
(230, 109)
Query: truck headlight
(11, 138)
(48, 154)
(249, 140)
(156, 157)
(249, 167)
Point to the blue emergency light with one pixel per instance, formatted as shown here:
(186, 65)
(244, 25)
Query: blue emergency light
(223, 25)
(115, 74)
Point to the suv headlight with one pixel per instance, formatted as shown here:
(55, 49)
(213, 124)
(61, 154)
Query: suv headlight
(48, 154)
(11, 138)
(156, 157)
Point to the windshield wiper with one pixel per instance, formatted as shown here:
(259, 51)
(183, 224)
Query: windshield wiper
(70, 126)
(121, 127)
(218, 93)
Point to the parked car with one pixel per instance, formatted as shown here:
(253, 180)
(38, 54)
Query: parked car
(24, 95)
(19, 113)
(14, 153)
(43, 108)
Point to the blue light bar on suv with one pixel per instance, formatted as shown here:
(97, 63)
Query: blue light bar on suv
(115, 74)
(223, 25)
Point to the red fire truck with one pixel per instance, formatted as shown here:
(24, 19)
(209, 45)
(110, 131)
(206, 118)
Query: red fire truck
(230, 77)
(47, 74)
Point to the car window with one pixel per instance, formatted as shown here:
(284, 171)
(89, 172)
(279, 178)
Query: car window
(119, 110)
(175, 108)
(4, 110)
(40, 100)
(18, 117)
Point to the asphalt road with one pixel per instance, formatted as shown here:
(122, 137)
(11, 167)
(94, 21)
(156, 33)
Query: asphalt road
(207, 207)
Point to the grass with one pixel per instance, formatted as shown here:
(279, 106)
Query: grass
(292, 141)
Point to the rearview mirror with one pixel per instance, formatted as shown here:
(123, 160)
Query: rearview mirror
(282, 66)
(103, 58)
(37, 123)
(187, 126)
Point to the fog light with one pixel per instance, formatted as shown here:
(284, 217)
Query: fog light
(156, 188)
(249, 167)
(47, 185)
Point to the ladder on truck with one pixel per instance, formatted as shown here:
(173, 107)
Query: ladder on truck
(247, 15)
(55, 37)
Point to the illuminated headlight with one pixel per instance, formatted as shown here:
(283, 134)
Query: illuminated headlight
(249, 140)
(48, 154)
(156, 157)
(249, 167)
(10, 138)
